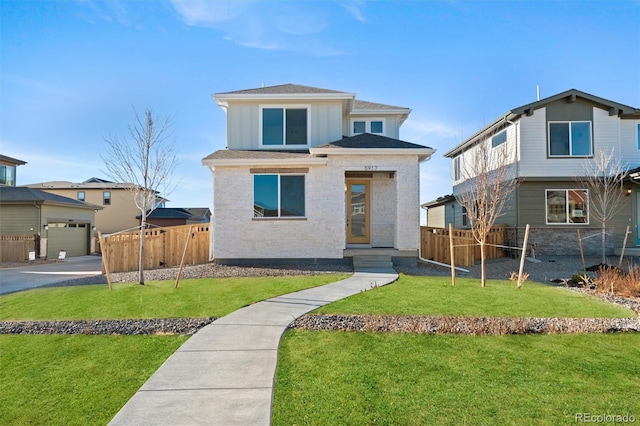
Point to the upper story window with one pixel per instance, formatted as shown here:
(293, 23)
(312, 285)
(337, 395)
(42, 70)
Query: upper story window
(570, 139)
(567, 206)
(499, 139)
(106, 198)
(638, 136)
(367, 126)
(7, 175)
(284, 126)
(278, 195)
(81, 196)
(456, 168)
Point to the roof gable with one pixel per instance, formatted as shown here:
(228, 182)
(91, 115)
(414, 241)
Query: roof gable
(571, 95)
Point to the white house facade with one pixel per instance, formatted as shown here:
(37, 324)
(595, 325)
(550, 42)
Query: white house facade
(309, 174)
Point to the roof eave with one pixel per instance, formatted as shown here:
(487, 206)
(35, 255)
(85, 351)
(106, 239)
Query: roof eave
(311, 161)
(423, 154)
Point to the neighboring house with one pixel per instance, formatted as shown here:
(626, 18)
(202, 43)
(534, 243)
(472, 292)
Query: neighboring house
(61, 223)
(311, 174)
(118, 211)
(551, 140)
(8, 167)
(175, 216)
(441, 212)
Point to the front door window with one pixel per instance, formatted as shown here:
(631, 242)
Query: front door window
(358, 212)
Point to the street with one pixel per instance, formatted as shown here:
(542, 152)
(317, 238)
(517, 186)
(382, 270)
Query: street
(32, 276)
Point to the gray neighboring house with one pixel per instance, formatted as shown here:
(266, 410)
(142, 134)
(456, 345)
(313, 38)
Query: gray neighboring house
(552, 139)
(61, 223)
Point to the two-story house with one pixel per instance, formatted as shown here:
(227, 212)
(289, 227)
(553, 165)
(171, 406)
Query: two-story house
(551, 140)
(52, 222)
(119, 211)
(8, 167)
(313, 174)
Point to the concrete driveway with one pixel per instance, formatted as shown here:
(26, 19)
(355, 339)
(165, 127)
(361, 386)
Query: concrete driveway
(26, 277)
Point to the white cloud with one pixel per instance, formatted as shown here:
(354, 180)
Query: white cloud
(266, 25)
(355, 9)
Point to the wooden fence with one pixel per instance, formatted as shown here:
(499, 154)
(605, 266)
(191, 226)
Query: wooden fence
(434, 245)
(163, 247)
(16, 247)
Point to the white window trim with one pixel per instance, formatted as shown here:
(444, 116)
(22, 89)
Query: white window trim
(367, 126)
(284, 129)
(506, 139)
(457, 172)
(566, 192)
(570, 144)
(279, 217)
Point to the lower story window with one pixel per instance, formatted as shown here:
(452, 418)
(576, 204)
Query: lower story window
(567, 206)
(276, 195)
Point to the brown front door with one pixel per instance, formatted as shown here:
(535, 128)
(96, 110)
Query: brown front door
(358, 212)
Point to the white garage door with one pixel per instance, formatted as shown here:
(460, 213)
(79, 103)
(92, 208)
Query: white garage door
(71, 237)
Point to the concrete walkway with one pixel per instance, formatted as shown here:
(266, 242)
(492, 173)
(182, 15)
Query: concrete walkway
(224, 374)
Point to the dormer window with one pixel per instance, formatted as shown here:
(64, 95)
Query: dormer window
(367, 126)
(284, 126)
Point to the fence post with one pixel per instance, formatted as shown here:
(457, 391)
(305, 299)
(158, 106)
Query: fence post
(524, 254)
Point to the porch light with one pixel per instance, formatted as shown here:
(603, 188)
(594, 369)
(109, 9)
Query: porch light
(628, 191)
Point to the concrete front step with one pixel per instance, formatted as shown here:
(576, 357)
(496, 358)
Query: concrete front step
(372, 262)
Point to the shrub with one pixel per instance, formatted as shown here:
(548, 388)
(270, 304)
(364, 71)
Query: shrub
(616, 281)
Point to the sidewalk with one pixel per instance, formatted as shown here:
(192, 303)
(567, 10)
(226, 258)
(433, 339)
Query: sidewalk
(224, 374)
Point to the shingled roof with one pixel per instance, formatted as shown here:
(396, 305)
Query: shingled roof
(21, 194)
(282, 89)
(370, 141)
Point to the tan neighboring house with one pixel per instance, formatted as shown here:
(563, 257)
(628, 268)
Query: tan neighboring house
(34, 220)
(119, 211)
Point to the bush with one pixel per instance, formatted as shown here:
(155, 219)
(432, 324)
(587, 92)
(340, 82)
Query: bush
(616, 281)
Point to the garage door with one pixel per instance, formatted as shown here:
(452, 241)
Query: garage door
(72, 237)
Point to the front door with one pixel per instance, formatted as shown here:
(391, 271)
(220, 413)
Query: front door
(358, 212)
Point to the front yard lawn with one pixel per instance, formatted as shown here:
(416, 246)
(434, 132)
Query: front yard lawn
(417, 295)
(75, 380)
(409, 379)
(195, 298)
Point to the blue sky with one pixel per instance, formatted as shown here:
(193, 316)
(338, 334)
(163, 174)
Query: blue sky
(72, 72)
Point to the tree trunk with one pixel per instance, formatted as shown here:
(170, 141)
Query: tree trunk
(603, 242)
(143, 225)
(482, 266)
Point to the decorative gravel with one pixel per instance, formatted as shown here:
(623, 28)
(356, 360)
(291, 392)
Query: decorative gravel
(464, 325)
(125, 327)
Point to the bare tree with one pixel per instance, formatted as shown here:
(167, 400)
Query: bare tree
(488, 176)
(144, 160)
(604, 177)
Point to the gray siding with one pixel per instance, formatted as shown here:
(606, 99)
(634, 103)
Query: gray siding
(562, 239)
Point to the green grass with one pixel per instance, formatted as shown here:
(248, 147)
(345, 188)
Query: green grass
(75, 380)
(195, 298)
(417, 295)
(403, 379)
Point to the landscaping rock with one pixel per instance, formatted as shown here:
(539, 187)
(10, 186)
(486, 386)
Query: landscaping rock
(186, 326)
(464, 325)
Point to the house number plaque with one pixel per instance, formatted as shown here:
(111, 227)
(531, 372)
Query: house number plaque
(371, 168)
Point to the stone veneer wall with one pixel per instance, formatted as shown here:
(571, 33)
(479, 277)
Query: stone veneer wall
(562, 240)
